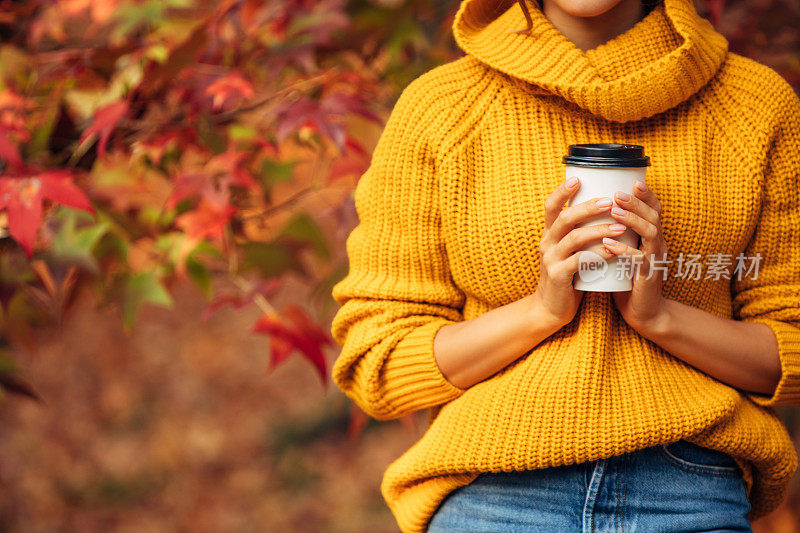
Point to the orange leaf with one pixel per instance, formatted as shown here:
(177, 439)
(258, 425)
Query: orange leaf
(105, 121)
(206, 220)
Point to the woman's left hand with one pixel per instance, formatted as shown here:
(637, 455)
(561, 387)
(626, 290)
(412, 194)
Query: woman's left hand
(643, 306)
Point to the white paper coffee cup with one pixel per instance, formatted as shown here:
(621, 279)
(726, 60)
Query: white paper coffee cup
(604, 169)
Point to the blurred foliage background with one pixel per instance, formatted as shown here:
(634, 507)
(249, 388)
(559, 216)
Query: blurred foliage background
(176, 186)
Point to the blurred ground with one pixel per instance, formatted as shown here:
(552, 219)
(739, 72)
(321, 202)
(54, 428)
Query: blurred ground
(179, 428)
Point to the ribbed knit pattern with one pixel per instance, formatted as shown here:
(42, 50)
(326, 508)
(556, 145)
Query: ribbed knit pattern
(451, 210)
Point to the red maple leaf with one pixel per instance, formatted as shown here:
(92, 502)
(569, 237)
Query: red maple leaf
(226, 168)
(8, 149)
(232, 86)
(355, 160)
(22, 193)
(301, 319)
(156, 146)
(299, 333)
(105, 121)
(230, 165)
(279, 351)
(326, 116)
(189, 184)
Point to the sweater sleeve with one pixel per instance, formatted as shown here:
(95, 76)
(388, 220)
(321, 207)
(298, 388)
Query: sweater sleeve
(398, 292)
(773, 297)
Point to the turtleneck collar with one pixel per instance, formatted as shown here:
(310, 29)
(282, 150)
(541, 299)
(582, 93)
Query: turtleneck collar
(661, 61)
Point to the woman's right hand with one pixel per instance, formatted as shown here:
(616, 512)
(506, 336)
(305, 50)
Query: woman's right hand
(560, 250)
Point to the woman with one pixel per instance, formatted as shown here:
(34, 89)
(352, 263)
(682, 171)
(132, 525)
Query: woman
(549, 408)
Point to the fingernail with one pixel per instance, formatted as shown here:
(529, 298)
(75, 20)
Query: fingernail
(640, 185)
(618, 211)
(572, 181)
(623, 196)
(604, 202)
(616, 227)
(610, 242)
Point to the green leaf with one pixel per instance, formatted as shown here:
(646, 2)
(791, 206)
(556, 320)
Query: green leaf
(153, 215)
(112, 244)
(41, 137)
(270, 259)
(407, 32)
(7, 364)
(77, 245)
(169, 244)
(304, 229)
(204, 247)
(273, 171)
(157, 52)
(132, 15)
(142, 287)
(208, 135)
(200, 274)
(241, 132)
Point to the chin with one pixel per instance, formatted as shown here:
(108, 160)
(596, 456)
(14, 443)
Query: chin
(585, 8)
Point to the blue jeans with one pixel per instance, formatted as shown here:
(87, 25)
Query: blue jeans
(679, 486)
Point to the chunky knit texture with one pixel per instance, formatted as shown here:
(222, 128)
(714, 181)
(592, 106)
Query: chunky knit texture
(451, 212)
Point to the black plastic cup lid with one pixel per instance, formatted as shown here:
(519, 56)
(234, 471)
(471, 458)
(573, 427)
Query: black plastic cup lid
(606, 155)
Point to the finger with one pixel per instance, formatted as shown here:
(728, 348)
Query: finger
(646, 194)
(638, 259)
(569, 217)
(647, 259)
(649, 232)
(555, 202)
(621, 249)
(579, 237)
(573, 262)
(638, 206)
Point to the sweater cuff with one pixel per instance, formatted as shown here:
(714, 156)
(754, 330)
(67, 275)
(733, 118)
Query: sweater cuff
(788, 390)
(417, 382)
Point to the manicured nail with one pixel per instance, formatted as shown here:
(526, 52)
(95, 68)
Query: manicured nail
(623, 196)
(604, 202)
(640, 184)
(610, 242)
(572, 182)
(618, 211)
(616, 227)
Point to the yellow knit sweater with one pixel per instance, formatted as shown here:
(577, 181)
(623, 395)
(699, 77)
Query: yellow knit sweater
(451, 212)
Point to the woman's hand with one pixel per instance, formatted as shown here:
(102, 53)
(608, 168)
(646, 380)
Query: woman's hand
(560, 250)
(642, 307)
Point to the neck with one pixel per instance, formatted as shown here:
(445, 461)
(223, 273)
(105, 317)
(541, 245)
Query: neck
(589, 30)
